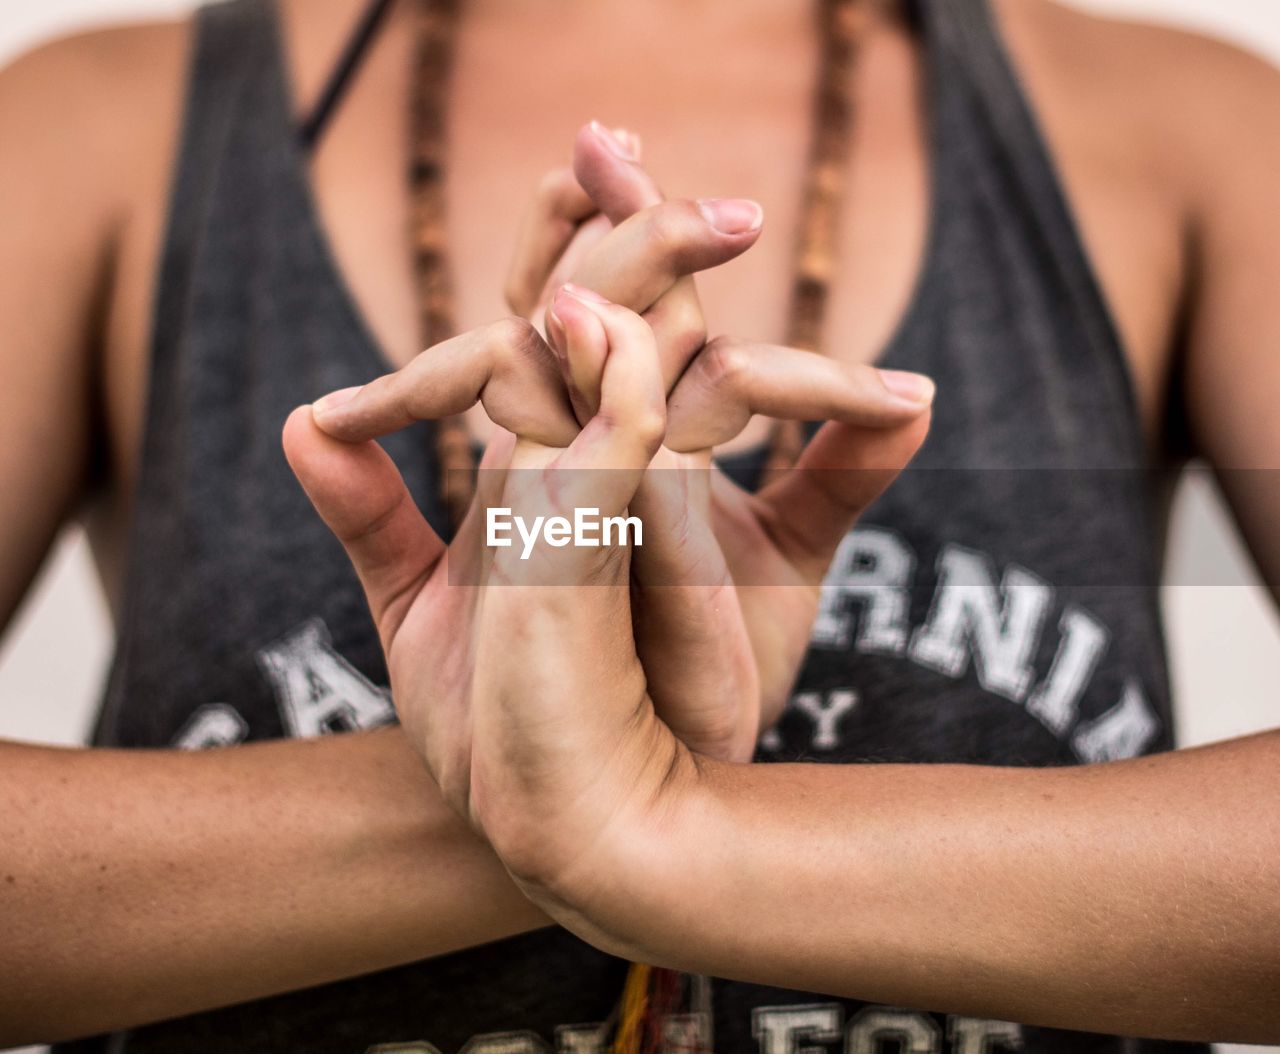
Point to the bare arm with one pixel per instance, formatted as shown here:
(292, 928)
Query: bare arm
(139, 885)
(56, 224)
(142, 885)
(327, 859)
(1139, 897)
(1231, 371)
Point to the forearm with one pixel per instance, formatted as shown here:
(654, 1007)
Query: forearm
(139, 885)
(1141, 897)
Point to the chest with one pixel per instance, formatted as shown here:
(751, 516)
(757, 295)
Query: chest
(724, 110)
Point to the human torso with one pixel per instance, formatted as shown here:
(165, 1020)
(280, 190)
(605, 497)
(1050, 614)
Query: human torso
(996, 608)
(752, 84)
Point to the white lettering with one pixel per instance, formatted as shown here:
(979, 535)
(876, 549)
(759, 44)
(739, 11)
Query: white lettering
(624, 525)
(872, 568)
(558, 532)
(1001, 630)
(587, 529)
(581, 1039)
(528, 535)
(1124, 731)
(213, 725)
(522, 1042)
(585, 523)
(826, 714)
(1055, 700)
(914, 1033)
(783, 1029)
(497, 519)
(317, 689)
(973, 1035)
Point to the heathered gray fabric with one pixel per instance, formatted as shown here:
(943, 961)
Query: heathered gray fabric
(1031, 480)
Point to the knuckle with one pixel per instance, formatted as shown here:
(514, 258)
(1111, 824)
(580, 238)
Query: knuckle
(650, 426)
(510, 341)
(632, 325)
(725, 363)
(688, 329)
(554, 188)
(666, 229)
(399, 386)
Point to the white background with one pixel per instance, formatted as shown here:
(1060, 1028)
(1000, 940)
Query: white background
(1224, 639)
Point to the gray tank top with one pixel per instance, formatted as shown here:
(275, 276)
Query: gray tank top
(997, 606)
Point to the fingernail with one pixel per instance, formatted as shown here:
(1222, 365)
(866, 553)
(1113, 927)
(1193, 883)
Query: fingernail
(615, 145)
(554, 326)
(630, 140)
(914, 387)
(335, 399)
(731, 215)
(582, 293)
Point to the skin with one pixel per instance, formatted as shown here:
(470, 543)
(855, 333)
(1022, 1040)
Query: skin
(508, 369)
(421, 592)
(1082, 898)
(1173, 201)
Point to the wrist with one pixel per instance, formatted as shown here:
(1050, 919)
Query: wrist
(642, 891)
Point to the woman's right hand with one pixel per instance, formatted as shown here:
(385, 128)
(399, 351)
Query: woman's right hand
(417, 587)
(424, 595)
(604, 225)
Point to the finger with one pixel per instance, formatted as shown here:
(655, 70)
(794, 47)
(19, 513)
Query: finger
(548, 226)
(730, 380)
(609, 170)
(652, 249)
(578, 336)
(646, 265)
(506, 366)
(694, 646)
(810, 508)
(562, 223)
(679, 329)
(686, 619)
(360, 495)
(473, 556)
(628, 426)
(588, 236)
(606, 165)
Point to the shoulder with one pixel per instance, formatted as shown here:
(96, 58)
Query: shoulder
(1193, 105)
(83, 117)
(1150, 60)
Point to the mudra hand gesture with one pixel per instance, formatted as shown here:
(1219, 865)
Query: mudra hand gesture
(554, 741)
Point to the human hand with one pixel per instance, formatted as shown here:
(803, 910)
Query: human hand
(784, 536)
(432, 614)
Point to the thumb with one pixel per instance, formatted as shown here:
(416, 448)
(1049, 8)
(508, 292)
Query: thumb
(630, 419)
(360, 495)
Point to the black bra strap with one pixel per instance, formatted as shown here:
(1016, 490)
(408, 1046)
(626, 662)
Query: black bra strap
(340, 79)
